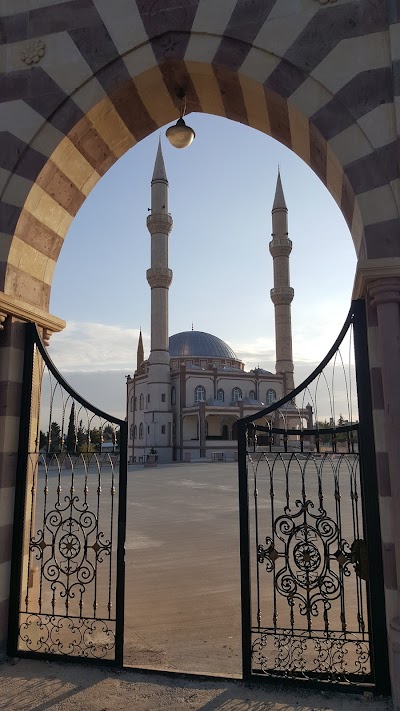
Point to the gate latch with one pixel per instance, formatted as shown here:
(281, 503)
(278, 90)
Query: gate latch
(359, 557)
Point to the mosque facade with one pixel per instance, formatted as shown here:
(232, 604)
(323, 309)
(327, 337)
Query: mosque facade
(184, 400)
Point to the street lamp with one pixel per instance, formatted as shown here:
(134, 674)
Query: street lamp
(180, 135)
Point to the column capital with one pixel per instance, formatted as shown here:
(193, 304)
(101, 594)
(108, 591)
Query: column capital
(384, 290)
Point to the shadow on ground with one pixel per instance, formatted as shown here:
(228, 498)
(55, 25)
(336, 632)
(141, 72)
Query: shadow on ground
(28, 685)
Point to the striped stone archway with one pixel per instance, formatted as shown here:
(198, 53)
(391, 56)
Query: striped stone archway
(81, 81)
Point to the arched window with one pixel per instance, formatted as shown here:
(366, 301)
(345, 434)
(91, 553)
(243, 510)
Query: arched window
(141, 430)
(173, 396)
(135, 432)
(200, 394)
(131, 432)
(271, 396)
(135, 403)
(131, 404)
(236, 394)
(141, 402)
(221, 395)
(252, 395)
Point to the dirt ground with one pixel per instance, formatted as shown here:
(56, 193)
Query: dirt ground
(27, 685)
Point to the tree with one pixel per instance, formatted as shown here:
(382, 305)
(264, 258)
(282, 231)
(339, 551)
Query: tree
(42, 439)
(81, 437)
(71, 434)
(55, 437)
(108, 433)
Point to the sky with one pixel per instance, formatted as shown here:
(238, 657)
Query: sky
(221, 191)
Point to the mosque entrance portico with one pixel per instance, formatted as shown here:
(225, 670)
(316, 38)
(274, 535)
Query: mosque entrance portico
(69, 115)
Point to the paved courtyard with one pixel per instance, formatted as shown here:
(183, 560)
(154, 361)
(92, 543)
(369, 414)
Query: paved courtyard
(182, 568)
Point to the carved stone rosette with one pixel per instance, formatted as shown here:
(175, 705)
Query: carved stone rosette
(159, 223)
(159, 277)
(282, 295)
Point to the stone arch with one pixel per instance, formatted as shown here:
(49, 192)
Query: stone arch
(127, 95)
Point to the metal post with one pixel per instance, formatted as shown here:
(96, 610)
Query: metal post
(244, 551)
(20, 493)
(370, 496)
(120, 590)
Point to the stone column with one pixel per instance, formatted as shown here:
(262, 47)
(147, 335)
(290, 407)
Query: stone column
(385, 380)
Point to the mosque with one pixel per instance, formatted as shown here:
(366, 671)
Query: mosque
(185, 399)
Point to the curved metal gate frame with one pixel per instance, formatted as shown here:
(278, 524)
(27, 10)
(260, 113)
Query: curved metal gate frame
(298, 566)
(58, 610)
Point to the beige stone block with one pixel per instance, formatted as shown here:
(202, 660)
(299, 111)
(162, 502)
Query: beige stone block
(123, 146)
(379, 125)
(140, 60)
(310, 97)
(109, 125)
(357, 230)
(49, 272)
(125, 26)
(5, 570)
(9, 434)
(215, 14)
(7, 495)
(207, 88)
(17, 189)
(27, 258)
(156, 98)
(300, 133)
(258, 64)
(377, 205)
(72, 163)
(46, 210)
(350, 57)
(334, 175)
(11, 366)
(65, 224)
(351, 144)
(256, 106)
(278, 33)
(202, 48)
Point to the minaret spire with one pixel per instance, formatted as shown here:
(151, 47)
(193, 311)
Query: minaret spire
(140, 351)
(282, 294)
(159, 172)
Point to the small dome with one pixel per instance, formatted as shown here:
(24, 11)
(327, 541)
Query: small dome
(198, 343)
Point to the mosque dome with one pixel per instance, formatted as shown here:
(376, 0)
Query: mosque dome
(198, 343)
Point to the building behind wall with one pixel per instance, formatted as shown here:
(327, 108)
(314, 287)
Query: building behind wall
(184, 401)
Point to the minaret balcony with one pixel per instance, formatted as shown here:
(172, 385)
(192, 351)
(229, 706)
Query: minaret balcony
(159, 223)
(280, 246)
(159, 277)
(282, 295)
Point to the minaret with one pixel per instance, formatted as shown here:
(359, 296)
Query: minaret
(140, 352)
(282, 294)
(159, 276)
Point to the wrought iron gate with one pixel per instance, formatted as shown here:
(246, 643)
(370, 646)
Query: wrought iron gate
(67, 597)
(312, 579)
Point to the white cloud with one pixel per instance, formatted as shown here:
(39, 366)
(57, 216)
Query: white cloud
(89, 347)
